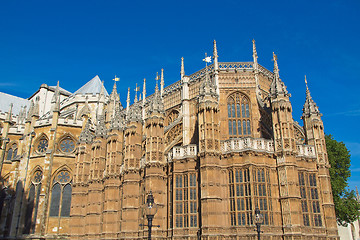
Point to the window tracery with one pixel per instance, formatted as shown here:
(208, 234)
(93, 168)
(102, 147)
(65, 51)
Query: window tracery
(248, 190)
(33, 202)
(238, 115)
(67, 145)
(310, 204)
(186, 200)
(61, 195)
(42, 145)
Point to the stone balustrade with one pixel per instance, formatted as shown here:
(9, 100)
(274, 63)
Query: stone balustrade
(305, 151)
(246, 144)
(180, 152)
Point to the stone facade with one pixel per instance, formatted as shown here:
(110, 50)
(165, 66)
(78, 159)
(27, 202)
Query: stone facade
(212, 148)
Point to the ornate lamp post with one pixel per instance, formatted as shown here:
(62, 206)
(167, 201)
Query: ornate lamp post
(258, 219)
(150, 211)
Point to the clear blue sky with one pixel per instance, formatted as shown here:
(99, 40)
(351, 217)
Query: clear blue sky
(72, 41)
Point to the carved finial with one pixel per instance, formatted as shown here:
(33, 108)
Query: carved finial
(182, 72)
(255, 56)
(162, 83)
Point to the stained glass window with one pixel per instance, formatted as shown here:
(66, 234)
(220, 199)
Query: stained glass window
(67, 145)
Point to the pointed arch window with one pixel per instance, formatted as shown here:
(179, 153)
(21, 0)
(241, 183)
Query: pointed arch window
(239, 120)
(12, 152)
(61, 195)
(33, 202)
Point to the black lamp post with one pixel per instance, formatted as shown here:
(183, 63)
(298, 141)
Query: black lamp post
(150, 211)
(258, 219)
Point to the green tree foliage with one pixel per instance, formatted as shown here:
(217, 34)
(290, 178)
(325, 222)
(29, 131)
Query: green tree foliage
(346, 206)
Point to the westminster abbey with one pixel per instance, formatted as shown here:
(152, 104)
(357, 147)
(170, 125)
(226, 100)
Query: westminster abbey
(211, 147)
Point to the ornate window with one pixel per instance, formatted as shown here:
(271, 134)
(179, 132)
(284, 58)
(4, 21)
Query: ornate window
(12, 152)
(239, 115)
(33, 202)
(186, 200)
(61, 195)
(310, 204)
(67, 145)
(42, 145)
(246, 188)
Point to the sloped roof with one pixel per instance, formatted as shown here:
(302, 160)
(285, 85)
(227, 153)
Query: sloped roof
(93, 86)
(61, 90)
(7, 99)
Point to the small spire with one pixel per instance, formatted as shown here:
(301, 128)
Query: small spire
(162, 83)
(36, 109)
(276, 67)
(310, 106)
(255, 56)
(182, 72)
(9, 115)
(144, 91)
(56, 98)
(116, 79)
(156, 105)
(31, 110)
(215, 57)
(136, 90)
(128, 101)
(277, 87)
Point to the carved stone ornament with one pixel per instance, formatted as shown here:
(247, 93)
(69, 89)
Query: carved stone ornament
(117, 122)
(86, 135)
(135, 114)
(101, 130)
(208, 88)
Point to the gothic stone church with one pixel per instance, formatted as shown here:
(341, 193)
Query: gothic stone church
(211, 147)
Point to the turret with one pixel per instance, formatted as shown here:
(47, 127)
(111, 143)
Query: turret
(314, 133)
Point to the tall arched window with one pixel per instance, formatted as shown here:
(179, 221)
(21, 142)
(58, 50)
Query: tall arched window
(239, 115)
(61, 195)
(33, 202)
